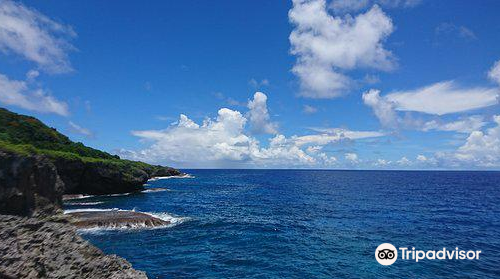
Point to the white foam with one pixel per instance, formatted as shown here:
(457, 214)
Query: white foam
(173, 220)
(186, 175)
(91, 210)
(84, 203)
(77, 197)
(155, 190)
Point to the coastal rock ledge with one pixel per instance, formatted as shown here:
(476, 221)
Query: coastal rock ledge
(32, 248)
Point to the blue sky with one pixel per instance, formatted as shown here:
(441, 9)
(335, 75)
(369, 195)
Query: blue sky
(370, 84)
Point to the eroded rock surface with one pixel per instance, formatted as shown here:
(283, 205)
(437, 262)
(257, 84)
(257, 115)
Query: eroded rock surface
(35, 248)
(115, 219)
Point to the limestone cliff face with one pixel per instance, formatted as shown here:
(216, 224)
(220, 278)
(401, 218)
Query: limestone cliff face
(97, 178)
(29, 185)
(35, 241)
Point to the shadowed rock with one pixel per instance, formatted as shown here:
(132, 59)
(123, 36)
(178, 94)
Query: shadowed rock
(29, 185)
(115, 219)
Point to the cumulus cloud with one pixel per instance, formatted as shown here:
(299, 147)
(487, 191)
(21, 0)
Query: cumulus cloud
(443, 98)
(327, 45)
(259, 115)
(404, 162)
(494, 73)
(34, 36)
(77, 129)
(352, 158)
(19, 93)
(382, 163)
(224, 142)
(218, 139)
(217, 142)
(481, 148)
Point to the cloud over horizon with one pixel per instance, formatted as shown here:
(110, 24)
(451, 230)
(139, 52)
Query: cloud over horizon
(225, 141)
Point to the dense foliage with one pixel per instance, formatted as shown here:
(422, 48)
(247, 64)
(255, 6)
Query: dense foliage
(21, 129)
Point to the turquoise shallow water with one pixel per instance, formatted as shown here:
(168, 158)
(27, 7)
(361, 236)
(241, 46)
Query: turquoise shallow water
(309, 224)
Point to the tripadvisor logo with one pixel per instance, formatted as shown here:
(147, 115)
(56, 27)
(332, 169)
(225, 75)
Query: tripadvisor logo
(387, 254)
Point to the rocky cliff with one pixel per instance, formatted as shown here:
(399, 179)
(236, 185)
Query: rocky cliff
(36, 241)
(39, 164)
(29, 185)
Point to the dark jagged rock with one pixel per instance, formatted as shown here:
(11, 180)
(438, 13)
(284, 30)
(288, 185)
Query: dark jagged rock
(164, 171)
(29, 185)
(32, 248)
(115, 219)
(98, 178)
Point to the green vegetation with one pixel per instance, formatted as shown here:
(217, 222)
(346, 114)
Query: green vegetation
(29, 136)
(20, 129)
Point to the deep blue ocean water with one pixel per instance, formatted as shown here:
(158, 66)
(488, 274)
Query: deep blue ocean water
(310, 224)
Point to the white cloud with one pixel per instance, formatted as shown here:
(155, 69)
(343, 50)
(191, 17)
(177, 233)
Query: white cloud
(429, 101)
(19, 93)
(352, 158)
(382, 163)
(26, 32)
(421, 158)
(481, 148)
(223, 142)
(383, 109)
(494, 73)
(217, 142)
(443, 98)
(219, 139)
(259, 115)
(404, 162)
(80, 130)
(326, 45)
(307, 109)
(464, 125)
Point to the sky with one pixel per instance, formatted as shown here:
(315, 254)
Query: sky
(342, 84)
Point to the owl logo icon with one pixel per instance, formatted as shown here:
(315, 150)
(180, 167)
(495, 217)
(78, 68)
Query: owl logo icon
(386, 254)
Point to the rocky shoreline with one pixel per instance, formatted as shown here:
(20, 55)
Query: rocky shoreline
(38, 241)
(51, 248)
(114, 219)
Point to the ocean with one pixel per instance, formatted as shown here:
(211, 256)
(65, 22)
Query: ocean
(308, 224)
